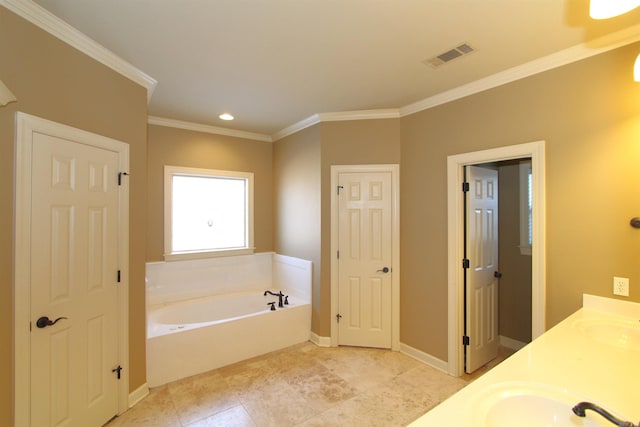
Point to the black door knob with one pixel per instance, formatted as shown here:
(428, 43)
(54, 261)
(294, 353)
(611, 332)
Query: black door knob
(383, 270)
(497, 274)
(44, 321)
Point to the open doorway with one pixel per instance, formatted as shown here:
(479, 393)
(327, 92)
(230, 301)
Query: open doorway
(456, 253)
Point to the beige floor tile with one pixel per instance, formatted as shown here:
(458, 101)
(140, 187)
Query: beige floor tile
(319, 386)
(156, 410)
(302, 386)
(201, 396)
(234, 417)
(275, 403)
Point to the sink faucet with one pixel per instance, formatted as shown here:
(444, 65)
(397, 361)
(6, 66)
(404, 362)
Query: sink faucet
(279, 295)
(581, 408)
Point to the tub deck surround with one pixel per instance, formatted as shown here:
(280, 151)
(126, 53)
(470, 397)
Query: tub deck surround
(205, 314)
(592, 355)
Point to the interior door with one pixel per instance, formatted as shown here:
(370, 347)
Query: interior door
(364, 264)
(482, 255)
(74, 228)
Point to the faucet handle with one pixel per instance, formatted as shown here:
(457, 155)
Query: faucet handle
(273, 305)
(286, 300)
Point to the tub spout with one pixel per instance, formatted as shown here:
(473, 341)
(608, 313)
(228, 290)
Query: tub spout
(279, 295)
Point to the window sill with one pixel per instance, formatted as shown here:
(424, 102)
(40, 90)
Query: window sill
(208, 254)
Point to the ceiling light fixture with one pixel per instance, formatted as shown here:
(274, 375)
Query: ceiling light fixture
(603, 9)
(226, 116)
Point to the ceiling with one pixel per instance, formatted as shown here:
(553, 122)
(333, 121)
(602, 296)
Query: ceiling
(273, 63)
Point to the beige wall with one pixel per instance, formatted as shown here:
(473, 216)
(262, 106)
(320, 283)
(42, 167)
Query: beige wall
(514, 313)
(302, 180)
(296, 191)
(56, 82)
(349, 143)
(177, 147)
(589, 114)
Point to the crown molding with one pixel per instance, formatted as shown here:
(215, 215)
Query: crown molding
(55, 26)
(178, 124)
(6, 96)
(555, 60)
(390, 113)
(297, 127)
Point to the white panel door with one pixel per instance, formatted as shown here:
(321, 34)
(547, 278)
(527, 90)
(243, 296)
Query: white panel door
(74, 231)
(482, 253)
(364, 262)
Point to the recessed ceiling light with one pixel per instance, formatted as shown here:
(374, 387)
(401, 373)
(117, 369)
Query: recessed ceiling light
(226, 116)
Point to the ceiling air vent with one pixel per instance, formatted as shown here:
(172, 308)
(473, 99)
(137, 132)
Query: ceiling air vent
(450, 55)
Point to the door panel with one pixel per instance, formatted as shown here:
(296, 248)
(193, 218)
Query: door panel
(364, 234)
(482, 252)
(74, 231)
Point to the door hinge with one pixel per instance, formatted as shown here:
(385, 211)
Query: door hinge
(465, 187)
(465, 263)
(120, 177)
(338, 188)
(118, 370)
(465, 340)
(337, 254)
(118, 276)
(338, 317)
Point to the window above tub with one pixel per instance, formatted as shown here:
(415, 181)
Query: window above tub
(207, 213)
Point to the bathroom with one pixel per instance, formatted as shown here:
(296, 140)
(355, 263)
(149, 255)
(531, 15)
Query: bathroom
(591, 179)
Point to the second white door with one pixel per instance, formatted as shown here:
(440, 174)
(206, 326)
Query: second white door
(365, 259)
(482, 256)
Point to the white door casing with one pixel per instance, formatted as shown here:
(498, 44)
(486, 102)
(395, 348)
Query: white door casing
(364, 262)
(365, 230)
(71, 239)
(455, 252)
(482, 254)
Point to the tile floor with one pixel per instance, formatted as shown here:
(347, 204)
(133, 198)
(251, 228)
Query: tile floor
(302, 386)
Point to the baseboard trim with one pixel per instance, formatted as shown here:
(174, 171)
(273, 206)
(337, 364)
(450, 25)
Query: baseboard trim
(319, 341)
(425, 358)
(511, 343)
(138, 394)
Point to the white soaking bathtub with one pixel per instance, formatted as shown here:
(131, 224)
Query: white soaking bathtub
(192, 336)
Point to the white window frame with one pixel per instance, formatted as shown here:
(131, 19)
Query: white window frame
(525, 212)
(169, 173)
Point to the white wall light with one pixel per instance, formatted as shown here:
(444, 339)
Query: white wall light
(5, 95)
(226, 116)
(603, 9)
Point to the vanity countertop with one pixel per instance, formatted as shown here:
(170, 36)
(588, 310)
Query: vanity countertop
(593, 355)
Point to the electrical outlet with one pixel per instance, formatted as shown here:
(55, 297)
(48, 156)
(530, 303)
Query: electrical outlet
(621, 286)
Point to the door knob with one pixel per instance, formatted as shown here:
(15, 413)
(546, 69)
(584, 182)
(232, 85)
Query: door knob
(44, 321)
(383, 270)
(497, 274)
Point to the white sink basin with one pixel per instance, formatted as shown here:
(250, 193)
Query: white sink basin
(530, 405)
(617, 332)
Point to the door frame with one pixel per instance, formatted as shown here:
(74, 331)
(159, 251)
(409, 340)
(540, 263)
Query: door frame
(394, 169)
(26, 126)
(455, 178)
